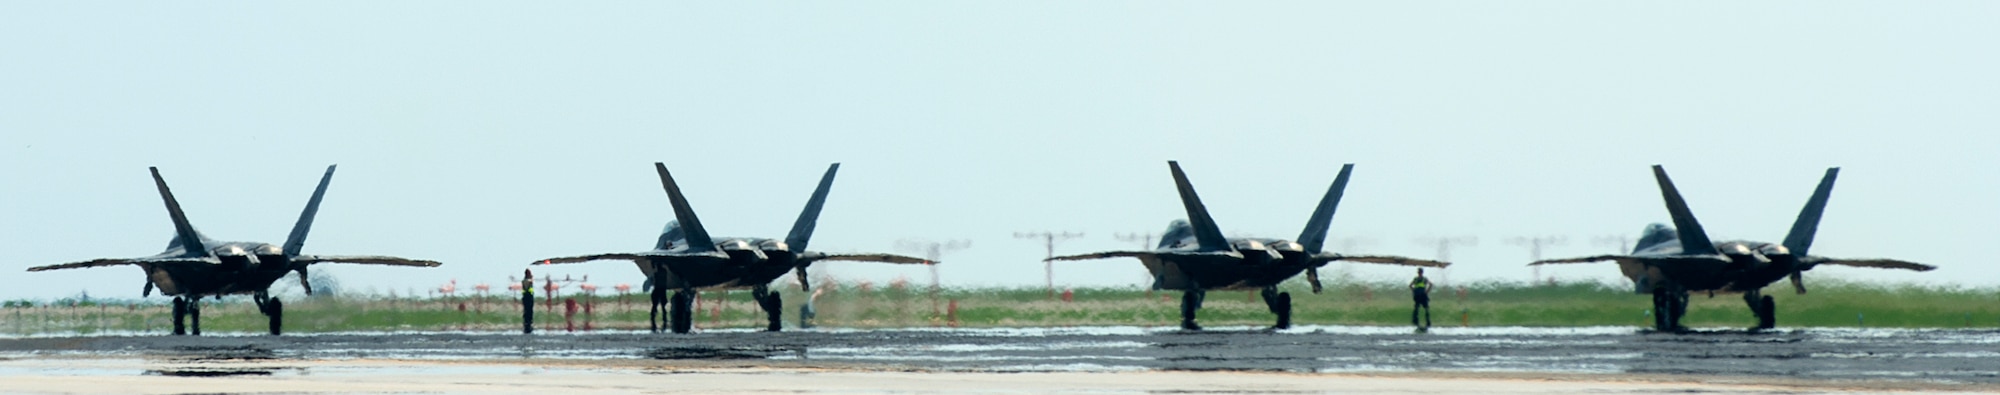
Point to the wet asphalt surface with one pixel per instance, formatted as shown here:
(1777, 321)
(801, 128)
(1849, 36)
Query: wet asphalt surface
(1942, 356)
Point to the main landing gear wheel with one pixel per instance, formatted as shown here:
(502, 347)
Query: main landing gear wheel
(1764, 307)
(276, 311)
(180, 316)
(773, 305)
(1668, 307)
(682, 311)
(194, 315)
(1280, 303)
(1191, 301)
(1770, 314)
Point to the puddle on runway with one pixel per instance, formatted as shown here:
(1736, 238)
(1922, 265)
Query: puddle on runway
(1863, 353)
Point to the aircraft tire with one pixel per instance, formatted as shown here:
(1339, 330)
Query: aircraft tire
(1190, 301)
(682, 312)
(194, 315)
(1660, 310)
(1283, 306)
(276, 311)
(180, 316)
(774, 307)
(1769, 318)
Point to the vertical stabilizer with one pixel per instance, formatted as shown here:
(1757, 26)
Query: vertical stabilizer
(1206, 234)
(802, 231)
(297, 240)
(1801, 236)
(184, 234)
(1693, 239)
(697, 237)
(1314, 237)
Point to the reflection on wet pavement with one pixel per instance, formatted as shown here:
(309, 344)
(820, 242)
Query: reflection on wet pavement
(1945, 356)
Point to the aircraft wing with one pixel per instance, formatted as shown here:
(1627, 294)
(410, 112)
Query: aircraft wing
(123, 261)
(1587, 259)
(1100, 255)
(1874, 263)
(1324, 258)
(629, 256)
(884, 258)
(364, 259)
(626, 256)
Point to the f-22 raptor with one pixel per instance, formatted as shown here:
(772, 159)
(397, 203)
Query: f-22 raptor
(687, 259)
(195, 266)
(1194, 257)
(1670, 262)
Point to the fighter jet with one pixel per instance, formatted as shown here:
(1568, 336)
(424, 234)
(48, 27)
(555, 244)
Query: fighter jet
(1669, 262)
(195, 266)
(1195, 258)
(686, 259)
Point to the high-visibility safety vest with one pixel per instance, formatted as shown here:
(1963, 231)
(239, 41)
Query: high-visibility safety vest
(528, 287)
(1420, 283)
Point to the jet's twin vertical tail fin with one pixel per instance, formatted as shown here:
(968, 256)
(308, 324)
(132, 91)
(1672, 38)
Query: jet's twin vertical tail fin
(1693, 239)
(297, 240)
(802, 230)
(1801, 237)
(184, 234)
(1314, 237)
(697, 237)
(1206, 234)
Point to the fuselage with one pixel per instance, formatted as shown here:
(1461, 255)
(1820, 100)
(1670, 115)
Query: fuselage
(1742, 265)
(741, 262)
(234, 268)
(1248, 264)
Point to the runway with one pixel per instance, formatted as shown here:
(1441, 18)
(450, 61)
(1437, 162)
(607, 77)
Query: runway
(1926, 358)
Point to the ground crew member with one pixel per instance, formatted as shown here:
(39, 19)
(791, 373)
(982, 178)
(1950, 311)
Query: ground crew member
(527, 301)
(806, 313)
(1420, 291)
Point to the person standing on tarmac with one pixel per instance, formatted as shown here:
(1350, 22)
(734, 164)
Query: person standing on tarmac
(527, 301)
(1420, 292)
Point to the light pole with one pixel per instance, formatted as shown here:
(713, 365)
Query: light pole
(932, 251)
(1049, 239)
(1535, 245)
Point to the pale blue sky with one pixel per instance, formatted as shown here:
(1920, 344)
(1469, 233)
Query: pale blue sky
(489, 134)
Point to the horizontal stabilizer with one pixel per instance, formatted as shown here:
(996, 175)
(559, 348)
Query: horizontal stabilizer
(883, 258)
(364, 260)
(1874, 263)
(124, 261)
(1324, 258)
